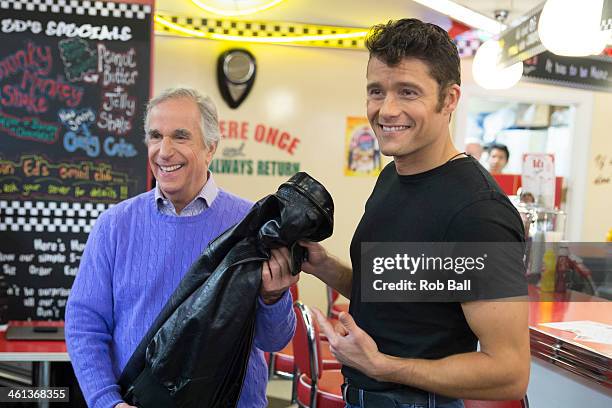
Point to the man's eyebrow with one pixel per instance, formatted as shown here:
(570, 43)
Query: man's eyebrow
(152, 132)
(411, 85)
(182, 132)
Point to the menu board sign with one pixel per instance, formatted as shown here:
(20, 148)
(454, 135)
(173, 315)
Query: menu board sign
(593, 73)
(521, 41)
(74, 79)
(606, 16)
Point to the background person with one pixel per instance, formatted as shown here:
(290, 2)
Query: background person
(473, 147)
(498, 158)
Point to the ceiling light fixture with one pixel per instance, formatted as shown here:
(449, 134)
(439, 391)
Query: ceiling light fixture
(235, 7)
(572, 28)
(486, 71)
(464, 14)
(270, 40)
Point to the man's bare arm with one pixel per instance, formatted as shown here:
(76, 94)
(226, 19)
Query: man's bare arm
(328, 268)
(500, 370)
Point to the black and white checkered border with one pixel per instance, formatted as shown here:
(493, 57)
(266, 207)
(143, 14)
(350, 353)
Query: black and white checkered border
(263, 29)
(49, 216)
(84, 7)
(606, 24)
(467, 48)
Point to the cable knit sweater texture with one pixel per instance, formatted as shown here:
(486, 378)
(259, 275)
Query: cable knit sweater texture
(134, 259)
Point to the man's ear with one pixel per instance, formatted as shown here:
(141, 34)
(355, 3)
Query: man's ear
(451, 100)
(211, 150)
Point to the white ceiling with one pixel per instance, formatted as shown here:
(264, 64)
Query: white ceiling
(356, 13)
(515, 8)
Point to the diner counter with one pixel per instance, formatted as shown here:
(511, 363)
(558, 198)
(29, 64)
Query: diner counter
(572, 351)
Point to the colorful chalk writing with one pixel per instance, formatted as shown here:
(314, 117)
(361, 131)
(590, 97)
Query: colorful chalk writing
(82, 139)
(14, 25)
(73, 87)
(88, 31)
(117, 68)
(6, 169)
(47, 257)
(36, 176)
(28, 128)
(116, 103)
(34, 91)
(84, 170)
(73, 119)
(11, 96)
(79, 60)
(114, 123)
(119, 148)
(118, 99)
(79, 135)
(33, 58)
(55, 88)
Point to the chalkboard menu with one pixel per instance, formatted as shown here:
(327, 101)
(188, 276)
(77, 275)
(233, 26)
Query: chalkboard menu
(74, 80)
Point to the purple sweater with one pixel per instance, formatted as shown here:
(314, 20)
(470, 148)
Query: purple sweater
(134, 259)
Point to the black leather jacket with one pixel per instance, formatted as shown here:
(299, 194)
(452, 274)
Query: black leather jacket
(196, 352)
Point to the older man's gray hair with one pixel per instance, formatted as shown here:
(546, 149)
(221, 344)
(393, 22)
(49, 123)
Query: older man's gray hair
(209, 121)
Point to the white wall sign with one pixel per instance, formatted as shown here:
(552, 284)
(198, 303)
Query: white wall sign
(538, 178)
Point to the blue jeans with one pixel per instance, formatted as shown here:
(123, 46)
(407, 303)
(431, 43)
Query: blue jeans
(456, 404)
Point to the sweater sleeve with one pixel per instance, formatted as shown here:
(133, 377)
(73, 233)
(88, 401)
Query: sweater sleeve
(274, 324)
(89, 320)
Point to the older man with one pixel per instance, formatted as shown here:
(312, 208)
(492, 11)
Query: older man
(140, 249)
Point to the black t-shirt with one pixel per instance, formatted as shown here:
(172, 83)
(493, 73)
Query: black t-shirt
(456, 202)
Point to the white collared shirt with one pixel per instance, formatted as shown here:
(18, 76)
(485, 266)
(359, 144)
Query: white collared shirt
(202, 201)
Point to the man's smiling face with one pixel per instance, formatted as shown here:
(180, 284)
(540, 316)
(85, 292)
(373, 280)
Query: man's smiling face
(403, 106)
(178, 156)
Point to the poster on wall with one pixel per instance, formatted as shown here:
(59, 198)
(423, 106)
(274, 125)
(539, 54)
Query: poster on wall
(538, 178)
(362, 153)
(74, 80)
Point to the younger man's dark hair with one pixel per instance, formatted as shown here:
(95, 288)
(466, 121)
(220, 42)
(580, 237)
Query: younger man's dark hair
(501, 147)
(412, 38)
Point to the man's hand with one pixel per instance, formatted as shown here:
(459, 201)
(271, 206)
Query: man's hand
(350, 344)
(500, 370)
(317, 257)
(327, 268)
(276, 276)
(124, 405)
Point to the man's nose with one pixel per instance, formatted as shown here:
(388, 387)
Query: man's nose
(389, 107)
(166, 147)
